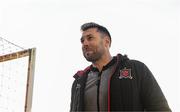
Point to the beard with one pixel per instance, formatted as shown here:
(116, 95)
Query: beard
(93, 55)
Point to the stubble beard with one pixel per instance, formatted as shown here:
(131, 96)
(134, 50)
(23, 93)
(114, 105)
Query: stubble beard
(93, 57)
(96, 53)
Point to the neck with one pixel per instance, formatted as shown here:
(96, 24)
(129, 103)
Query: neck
(105, 59)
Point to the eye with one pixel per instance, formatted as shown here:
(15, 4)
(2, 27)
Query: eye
(82, 40)
(90, 38)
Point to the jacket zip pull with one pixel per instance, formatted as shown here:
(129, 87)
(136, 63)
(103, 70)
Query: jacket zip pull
(78, 86)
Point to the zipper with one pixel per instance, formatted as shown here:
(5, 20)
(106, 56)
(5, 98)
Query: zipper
(76, 98)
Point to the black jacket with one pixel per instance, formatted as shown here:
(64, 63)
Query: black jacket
(135, 91)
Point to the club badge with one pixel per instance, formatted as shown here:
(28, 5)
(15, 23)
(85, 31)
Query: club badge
(125, 73)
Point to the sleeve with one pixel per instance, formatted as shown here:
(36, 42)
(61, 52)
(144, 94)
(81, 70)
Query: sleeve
(152, 96)
(72, 95)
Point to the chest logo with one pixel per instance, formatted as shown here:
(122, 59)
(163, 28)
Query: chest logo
(125, 73)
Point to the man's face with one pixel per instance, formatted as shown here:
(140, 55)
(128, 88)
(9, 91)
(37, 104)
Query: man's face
(92, 45)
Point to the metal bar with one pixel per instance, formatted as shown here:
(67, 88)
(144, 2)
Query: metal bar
(15, 55)
(30, 80)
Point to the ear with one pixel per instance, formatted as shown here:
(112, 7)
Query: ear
(107, 41)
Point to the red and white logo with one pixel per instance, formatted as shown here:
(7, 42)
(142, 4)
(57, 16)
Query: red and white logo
(125, 73)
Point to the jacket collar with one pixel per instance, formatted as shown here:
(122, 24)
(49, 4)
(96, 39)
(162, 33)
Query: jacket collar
(116, 58)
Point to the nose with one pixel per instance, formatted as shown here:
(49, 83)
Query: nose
(85, 42)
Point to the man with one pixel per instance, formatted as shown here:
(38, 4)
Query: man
(112, 83)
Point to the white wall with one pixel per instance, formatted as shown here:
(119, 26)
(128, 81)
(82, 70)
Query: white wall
(145, 30)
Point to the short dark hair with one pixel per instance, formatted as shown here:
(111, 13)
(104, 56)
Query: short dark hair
(100, 28)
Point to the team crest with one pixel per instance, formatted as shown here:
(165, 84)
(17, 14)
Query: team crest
(125, 73)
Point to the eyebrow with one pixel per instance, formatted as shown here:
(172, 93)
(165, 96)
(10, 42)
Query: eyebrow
(85, 36)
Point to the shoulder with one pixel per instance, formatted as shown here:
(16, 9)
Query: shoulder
(140, 69)
(138, 65)
(123, 59)
(135, 63)
(130, 63)
(81, 73)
